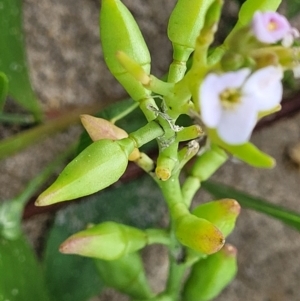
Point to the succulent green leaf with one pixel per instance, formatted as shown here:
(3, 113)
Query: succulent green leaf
(288, 217)
(3, 89)
(246, 152)
(185, 24)
(20, 273)
(13, 56)
(97, 167)
(120, 32)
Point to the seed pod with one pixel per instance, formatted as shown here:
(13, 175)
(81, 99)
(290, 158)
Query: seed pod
(101, 164)
(198, 234)
(127, 275)
(222, 214)
(211, 275)
(120, 32)
(108, 241)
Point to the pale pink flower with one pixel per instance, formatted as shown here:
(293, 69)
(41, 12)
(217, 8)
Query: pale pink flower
(271, 27)
(230, 102)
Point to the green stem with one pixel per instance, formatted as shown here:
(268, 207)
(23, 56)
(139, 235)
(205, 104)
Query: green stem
(145, 104)
(189, 188)
(147, 133)
(171, 191)
(179, 101)
(174, 283)
(204, 167)
(159, 86)
(158, 236)
(176, 71)
(145, 163)
(173, 196)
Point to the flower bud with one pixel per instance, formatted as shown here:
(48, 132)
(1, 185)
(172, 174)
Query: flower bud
(101, 164)
(211, 275)
(222, 214)
(198, 234)
(127, 275)
(120, 32)
(246, 13)
(99, 128)
(108, 241)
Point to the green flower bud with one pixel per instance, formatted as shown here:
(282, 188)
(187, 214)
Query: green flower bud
(211, 275)
(99, 128)
(108, 241)
(222, 214)
(185, 24)
(127, 275)
(101, 164)
(198, 234)
(208, 162)
(120, 32)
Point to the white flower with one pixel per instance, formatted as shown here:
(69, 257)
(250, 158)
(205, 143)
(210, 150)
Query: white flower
(230, 102)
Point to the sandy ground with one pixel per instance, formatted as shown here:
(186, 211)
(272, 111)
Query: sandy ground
(67, 69)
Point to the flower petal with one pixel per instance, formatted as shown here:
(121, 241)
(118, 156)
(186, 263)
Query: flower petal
(213, 85)
(265, 87)
(234, 79)
(236, 125)
(270, 27)
(210, 105)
